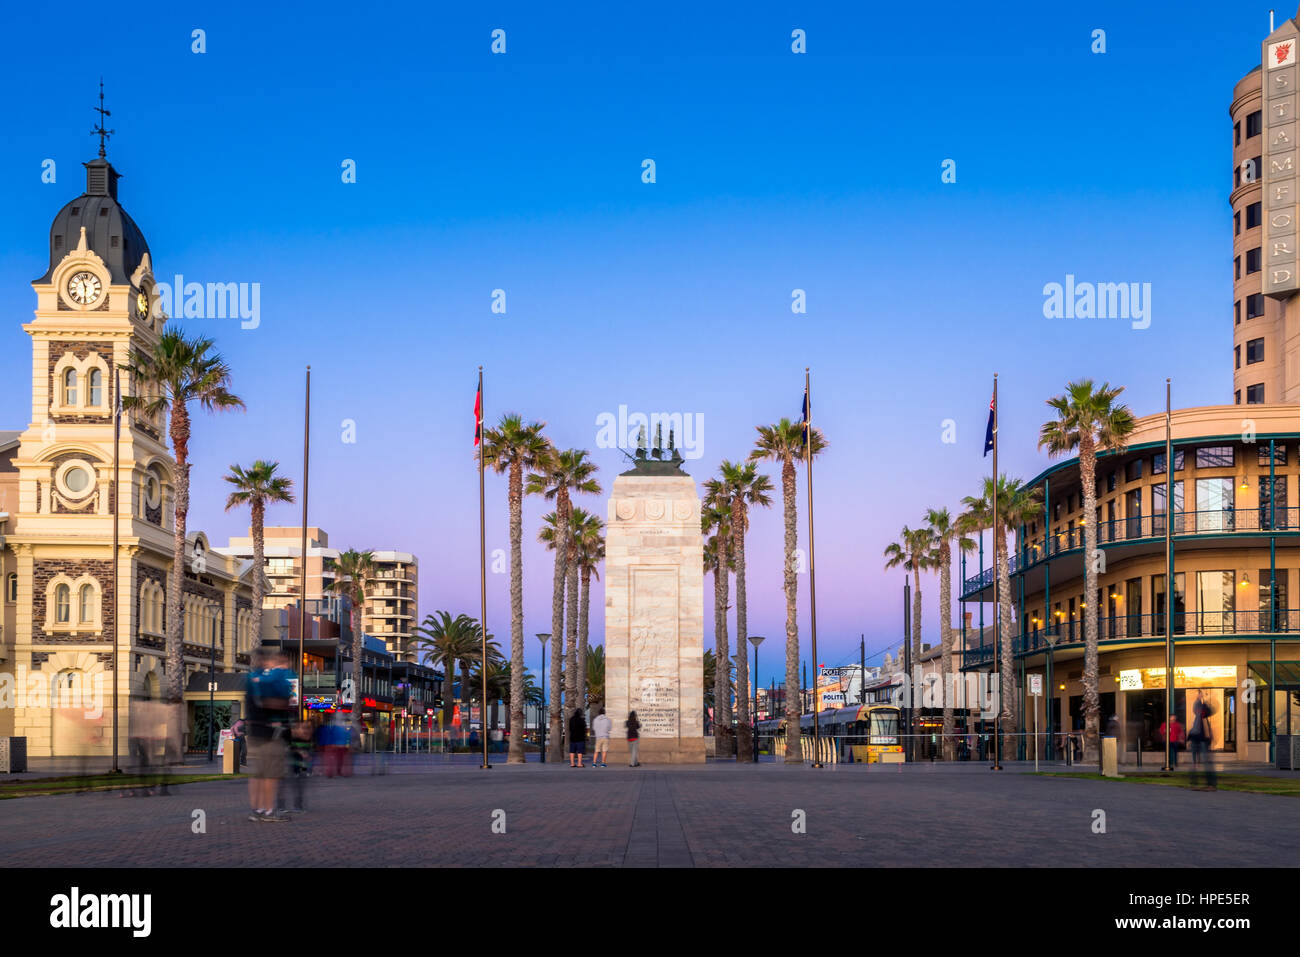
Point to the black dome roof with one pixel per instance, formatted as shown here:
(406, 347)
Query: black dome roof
(110, 231)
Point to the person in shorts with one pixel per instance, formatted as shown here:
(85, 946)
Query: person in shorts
(269, 712)
(577, 738)
(601, 728)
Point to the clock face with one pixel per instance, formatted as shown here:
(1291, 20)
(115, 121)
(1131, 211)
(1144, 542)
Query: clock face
(142, 304)
(84, 288)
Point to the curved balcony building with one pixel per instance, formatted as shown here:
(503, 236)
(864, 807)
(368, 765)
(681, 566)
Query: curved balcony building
(1235, 534)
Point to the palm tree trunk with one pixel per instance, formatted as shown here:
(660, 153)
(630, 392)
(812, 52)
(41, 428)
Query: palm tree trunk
(180, 434)
(571, 699)
(555, 744)
(723, 652)
(744, 739)
(719, 649)
(516, 501)
(793, 750)
(1091, 695)
(448, 702)
(259, 569)
(354, 717)
(945, 639)
(1009, 692)
(916, 619)
(584, 611)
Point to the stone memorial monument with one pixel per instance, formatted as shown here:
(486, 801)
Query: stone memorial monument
(654, 608)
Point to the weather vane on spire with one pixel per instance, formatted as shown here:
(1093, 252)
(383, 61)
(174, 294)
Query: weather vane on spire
(99, 130)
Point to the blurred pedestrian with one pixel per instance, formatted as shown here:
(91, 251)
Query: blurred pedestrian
(269, 712)
(633, 739)
(1200, 736)
(380, 763)
(1172, 731)
(241, 741)
(577, 738)
(601, 727)
(300, 745)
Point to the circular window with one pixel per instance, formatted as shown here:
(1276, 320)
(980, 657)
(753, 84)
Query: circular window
(76, 480)
(152, 490)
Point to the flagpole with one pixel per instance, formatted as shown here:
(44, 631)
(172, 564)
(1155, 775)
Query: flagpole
(812, 558)
(482, 575)
(997, 618)
(117, 501)
(302, 570)
(1169, 569)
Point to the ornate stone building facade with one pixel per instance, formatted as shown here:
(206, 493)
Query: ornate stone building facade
(71, 609)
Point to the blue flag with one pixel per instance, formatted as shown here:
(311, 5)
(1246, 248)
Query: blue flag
(803, 435)
(988, 432)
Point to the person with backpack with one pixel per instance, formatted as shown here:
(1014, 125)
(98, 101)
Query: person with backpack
(633, 739)
(577, 738)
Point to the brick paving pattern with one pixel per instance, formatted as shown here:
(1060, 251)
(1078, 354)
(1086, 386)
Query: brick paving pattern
(710, 816)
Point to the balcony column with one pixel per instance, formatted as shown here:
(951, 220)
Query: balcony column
(1272, 600)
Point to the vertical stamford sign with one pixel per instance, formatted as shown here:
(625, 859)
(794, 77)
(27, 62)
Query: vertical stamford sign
(1281, 198)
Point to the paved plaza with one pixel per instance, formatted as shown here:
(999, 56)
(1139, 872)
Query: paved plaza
(715, 815)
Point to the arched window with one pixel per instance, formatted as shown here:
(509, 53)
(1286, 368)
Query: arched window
(86, 604)
(69, 386)
(63, 604)
(95, 387)
(11, 587)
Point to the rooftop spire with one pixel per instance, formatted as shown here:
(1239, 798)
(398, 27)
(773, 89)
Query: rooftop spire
(99, 130)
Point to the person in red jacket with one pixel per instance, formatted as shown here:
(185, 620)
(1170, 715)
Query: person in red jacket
(1174, 730)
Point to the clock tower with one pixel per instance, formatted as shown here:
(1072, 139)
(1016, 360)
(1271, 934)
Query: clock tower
(74, 609)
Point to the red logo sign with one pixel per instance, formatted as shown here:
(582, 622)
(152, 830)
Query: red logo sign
(1282, 52)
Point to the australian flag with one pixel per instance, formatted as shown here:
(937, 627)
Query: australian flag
(803, 435)
(988, 432)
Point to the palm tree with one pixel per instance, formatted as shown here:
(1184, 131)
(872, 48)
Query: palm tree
(179, 371)
(1088, 419)
(914, 552)
(784, 442)
(444, 641)
(1017, 504)
(515, 446)
(591, 551)
(596, 676)
(744, 486)
(352, 572)
(945, 530)
(255, 487)
(715, 516)
(557, 475)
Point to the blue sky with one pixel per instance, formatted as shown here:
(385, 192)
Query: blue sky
(522, 172)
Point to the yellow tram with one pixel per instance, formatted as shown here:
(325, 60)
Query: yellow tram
(866, 733)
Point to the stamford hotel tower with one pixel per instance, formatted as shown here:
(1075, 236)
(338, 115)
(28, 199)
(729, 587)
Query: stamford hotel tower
(1235, 515)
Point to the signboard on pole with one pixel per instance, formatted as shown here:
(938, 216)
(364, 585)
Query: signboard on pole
(1035, 685)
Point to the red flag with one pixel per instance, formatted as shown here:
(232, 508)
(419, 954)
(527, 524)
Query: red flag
(478, 415)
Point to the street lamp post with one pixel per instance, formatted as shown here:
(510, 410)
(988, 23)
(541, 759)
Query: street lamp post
(755, 640)
(543, 637)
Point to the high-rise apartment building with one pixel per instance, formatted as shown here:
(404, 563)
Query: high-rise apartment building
(392, 602)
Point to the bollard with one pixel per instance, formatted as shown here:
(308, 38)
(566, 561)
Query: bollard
(230, 758)
(1109, 757)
